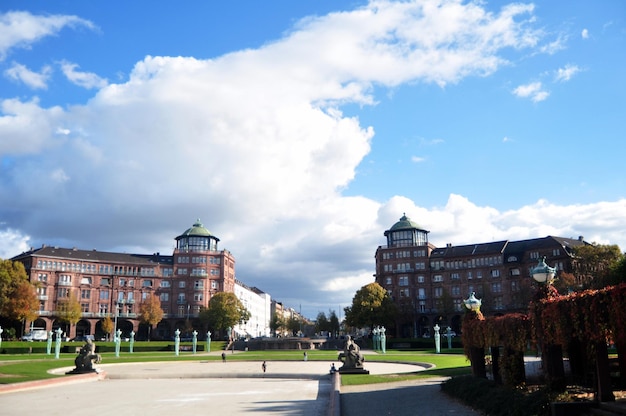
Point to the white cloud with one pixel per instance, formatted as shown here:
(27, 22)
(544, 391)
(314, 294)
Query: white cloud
(534, 91)
(417, 159)
(506, 139)
(22, 29)
(86, 80)
(12, 243)
(565, 74)
(261, 156)
(555, 46)
(584, 34)
(34, 80)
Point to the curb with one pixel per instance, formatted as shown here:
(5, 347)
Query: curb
(70, 379)
(334, 403)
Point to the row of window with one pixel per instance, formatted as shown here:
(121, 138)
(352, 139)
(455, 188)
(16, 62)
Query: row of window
(91, 268)
(183, 271)
(66, 280)
(181, 298)
(464, 264)
(401, 254)
(470, 274)
(198, 260)
(403, 267)
(438, 292)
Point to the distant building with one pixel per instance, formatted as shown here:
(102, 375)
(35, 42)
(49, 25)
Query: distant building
(114, 284)
(429, 284)
(258, 303)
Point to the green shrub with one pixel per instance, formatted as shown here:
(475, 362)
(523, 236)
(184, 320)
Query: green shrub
(494, 400)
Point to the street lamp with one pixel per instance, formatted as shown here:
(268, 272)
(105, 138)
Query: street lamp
(472, 303)
(543, 273)
(551, 354)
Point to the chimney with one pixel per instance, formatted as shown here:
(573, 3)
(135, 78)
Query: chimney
(581, 238)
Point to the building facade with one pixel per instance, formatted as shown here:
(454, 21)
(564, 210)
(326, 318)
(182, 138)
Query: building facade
(258, 303)
(114, 284)
(429, 284)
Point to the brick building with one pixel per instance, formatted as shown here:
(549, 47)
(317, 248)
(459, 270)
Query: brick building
(429, 284)
(114, 284)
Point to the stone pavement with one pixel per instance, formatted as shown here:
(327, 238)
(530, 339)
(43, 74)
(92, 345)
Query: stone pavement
(230, 388)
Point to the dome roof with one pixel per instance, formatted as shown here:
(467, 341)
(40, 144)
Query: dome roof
(405, 223)
(196, 230)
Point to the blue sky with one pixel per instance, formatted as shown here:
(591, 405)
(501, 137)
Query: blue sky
(298, 132)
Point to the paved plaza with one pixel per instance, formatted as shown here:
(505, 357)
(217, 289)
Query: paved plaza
(230, 388)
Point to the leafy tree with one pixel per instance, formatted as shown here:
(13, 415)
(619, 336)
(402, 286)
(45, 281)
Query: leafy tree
(321, 323)
(593, 264)
(18, 299)
(68, 310)
(333, 321)
(224, 311)
(371, 306)
(277, 323)
(24, 302)
(293, 325)
(150, 312)
(618, 272)
(107, 325)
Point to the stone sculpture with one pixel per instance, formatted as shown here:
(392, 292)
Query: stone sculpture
(352, 358)
(86, 358)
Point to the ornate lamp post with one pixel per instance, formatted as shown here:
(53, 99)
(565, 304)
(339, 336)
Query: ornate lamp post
(542, 273)
(476, 354)
(551, 355)
(473, 304)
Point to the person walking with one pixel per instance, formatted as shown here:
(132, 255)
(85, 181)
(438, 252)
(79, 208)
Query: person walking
(264, 366)
(306, 357)
(223, 357)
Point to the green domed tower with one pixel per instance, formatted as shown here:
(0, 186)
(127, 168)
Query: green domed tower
(197, 238)
(200, 271)
(406, 233)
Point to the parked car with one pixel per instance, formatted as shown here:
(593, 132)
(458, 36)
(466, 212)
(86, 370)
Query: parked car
(36, 334)
(82, 338)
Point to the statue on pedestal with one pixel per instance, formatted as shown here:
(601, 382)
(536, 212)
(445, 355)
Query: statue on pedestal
(352, 358)
(86, 358)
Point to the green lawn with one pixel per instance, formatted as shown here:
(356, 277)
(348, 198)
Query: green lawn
(27, 367)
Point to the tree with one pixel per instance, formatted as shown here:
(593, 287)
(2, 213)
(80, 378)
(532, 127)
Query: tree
(294, 325)
(618, 272)
(371, 306)
(321, 323)
(18, 299)
(24, 302)
(333, 321)
(277, 323)
(224, 311)
(107, 325)
(68, 310)
(593, 264)
(150, 312)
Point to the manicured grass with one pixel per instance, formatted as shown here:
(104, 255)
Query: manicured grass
(447, 364)
(28, 367)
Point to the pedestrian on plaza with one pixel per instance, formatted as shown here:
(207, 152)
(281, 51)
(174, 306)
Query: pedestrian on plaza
(305, 356)
(333, 369)
(223, 357)
(264, 366)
